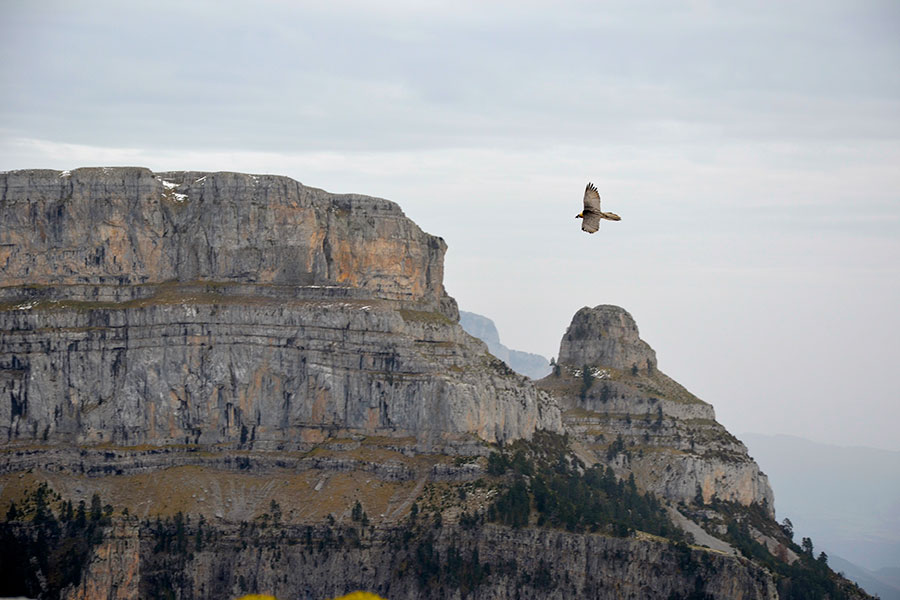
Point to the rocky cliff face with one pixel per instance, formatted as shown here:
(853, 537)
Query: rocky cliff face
(491, 563)
(98, 233)
(252, 372)
(220, 308)
(633, 415)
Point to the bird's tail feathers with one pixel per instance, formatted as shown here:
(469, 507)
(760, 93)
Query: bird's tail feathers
(610, 216)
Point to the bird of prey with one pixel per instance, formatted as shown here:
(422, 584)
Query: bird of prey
(592, 214)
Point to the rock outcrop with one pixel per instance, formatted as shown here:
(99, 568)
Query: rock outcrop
(634, 416)
(605, 335)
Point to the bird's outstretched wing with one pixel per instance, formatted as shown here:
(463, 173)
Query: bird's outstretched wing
(591, 198)
(591, 215)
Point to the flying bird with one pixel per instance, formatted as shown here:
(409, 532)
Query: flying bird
(592, 214)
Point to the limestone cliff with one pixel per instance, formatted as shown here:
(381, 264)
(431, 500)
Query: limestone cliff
(628, 412)
(115, 233)
(220, 308)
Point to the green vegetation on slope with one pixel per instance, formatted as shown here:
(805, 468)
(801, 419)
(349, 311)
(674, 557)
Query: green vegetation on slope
(565, 494)
(807, 578)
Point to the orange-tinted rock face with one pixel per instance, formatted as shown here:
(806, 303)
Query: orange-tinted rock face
(114, 570)
(128, 226)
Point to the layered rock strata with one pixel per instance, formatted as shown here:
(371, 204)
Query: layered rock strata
(225, 309)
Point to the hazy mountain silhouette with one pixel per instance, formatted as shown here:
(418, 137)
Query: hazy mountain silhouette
(525, 363)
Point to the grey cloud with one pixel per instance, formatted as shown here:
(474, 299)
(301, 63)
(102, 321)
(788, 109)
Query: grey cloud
(294, 78)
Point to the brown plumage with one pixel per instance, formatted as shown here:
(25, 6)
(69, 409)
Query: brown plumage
(592, 214)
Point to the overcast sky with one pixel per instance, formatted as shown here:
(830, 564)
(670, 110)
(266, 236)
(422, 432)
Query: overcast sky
(751, 148)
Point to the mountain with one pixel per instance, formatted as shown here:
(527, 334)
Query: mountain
(847, 499)
(534, 366)
(214, 384)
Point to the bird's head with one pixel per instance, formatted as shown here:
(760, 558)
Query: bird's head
(579, 216)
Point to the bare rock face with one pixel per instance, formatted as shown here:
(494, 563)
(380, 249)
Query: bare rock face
(253, 373)
(129, 226)
(605, 335)
(634, 417)
(115, 568)
(582, 566)
(222, 308)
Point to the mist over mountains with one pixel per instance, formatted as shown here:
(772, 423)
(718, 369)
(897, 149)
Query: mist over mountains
(847, 499)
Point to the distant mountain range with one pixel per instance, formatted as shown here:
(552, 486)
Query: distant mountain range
(525, 363)
(846, 499)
